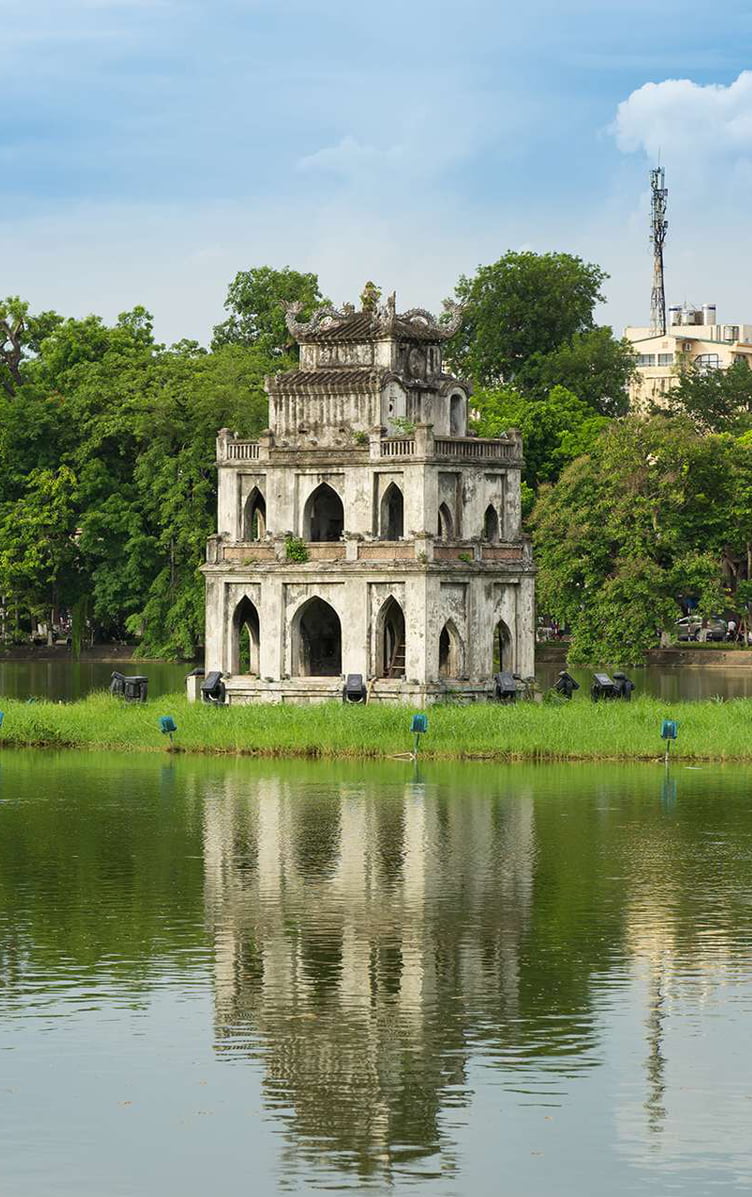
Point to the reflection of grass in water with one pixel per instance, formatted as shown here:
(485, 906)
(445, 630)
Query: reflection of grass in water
(579, 730)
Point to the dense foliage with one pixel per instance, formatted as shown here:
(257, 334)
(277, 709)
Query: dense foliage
(107, 479)
(716, 400)
(653, 512)
(528, 322)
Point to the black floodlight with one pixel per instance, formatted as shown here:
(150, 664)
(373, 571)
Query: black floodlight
(354, 689)
(117, 684)
(505, 686)
(565, 684)
(213, 688)
(136, 688)
(624, 686)
(603, 688)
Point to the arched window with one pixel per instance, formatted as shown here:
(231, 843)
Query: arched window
(317, 641)
(254, 516)
(390, 640)
(705, 362)
(503, 649)
(446, 523)
(450, 651)
(324, 516)
(392, 513)
(491, 524)
(245, 638)
(456, 416)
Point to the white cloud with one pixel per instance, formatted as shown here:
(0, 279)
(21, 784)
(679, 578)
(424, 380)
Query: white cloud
(683, 120)
(350, 157)
(702, 134)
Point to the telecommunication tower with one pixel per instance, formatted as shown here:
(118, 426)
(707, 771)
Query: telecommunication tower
(658, 229)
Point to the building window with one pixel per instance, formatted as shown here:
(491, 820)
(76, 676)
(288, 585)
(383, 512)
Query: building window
(392, 513)
(324, 516)
(706, 362)
(665, 359)
(317, 640)
(645, 359)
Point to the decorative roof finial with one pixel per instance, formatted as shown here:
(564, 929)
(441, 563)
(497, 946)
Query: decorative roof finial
(369, 297)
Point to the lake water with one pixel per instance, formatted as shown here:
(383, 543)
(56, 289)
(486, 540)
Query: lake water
(68, 680)
(238, 976)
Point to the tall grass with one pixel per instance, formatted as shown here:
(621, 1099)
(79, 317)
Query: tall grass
(580, 730)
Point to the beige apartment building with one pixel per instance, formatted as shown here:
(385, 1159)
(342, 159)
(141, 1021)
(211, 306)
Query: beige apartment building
(694, 338)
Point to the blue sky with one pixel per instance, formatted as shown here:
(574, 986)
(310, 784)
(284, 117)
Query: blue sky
(151, 148)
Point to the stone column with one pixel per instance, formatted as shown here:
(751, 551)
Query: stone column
(215, 622)
(355, 638)
(271, 629)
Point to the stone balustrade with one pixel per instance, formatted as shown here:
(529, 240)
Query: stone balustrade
(422, 445)
(424, 550)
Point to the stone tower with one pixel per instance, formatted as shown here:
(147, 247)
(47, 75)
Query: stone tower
(365, 532)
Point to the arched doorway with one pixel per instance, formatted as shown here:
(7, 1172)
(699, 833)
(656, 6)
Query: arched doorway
(254, 516)
(324, 515)
(317, 641)
(503, 649)
(491, 524)
(390, 640)
(245, 638)
(450, 651)
(446, 523)
(392, 513)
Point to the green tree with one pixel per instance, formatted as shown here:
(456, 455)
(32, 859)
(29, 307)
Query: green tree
(716, 400)
(628, 529)
(254, 301)
(38, 549)
(592, 364)
(522, 305)
(20, 336)
(555, 429)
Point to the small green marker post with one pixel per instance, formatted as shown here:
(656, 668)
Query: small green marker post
(669, 732)
(418, 727)
(168, 726)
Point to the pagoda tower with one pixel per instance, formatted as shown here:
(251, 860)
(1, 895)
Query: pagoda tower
(365, 532)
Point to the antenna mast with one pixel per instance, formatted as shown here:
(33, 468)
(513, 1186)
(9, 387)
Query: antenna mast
(658, 229)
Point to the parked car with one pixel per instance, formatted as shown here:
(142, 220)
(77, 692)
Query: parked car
(716, 629)
(688, 627)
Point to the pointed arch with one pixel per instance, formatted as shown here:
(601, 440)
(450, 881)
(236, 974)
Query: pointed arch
(392, 520)
(446, 523)
(450, 652)
(316, 634)
(491, 524)
(390, 640)
(254, 516)
(503, 649)
(457, 415)
(246, 638)
(323, 515)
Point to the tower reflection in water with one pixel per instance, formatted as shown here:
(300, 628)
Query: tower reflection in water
(363, 936)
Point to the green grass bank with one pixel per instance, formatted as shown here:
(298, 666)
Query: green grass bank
(579, 731)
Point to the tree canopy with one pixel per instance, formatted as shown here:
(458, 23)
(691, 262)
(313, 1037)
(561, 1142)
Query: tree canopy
(107, 476)
(254, 301)
(716, 400)
(646, 517)
(522, 305)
